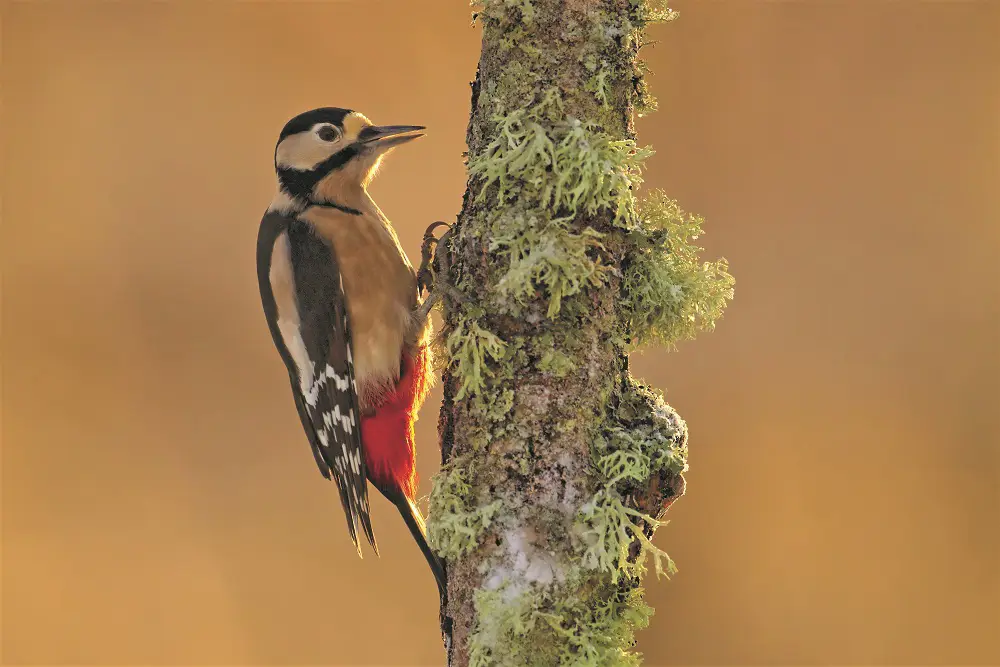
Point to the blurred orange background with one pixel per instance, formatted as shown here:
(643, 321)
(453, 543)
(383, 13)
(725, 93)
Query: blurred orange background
(160, 505)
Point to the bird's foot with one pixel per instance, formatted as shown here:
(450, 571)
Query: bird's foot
(434, 266)
(435, 296)
(428, 256)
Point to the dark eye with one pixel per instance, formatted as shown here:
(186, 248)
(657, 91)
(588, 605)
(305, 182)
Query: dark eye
(327, 133)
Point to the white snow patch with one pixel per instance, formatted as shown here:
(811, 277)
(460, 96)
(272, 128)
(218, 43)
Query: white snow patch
(523, 565)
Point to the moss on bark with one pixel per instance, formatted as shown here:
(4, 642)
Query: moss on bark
(558, 465)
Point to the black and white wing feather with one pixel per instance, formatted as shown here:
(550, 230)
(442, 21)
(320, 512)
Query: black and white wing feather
(306, 309)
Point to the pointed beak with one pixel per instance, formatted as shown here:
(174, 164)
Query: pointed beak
(383, 137)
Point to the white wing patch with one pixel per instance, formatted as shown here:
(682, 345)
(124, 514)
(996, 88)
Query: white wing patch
(297, 348)
(283, 287)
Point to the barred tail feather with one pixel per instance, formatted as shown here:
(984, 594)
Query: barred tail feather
(356, 508)
(357, 511)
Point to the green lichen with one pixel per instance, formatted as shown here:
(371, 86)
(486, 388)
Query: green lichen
(558, 164)
(523, 10)
(492, 400)
(554, 356)
(599, 82)
(669, 294)
(596, 630)
(544, 254)
(584, 623)
(557, 363)
(644, 12)
(515, 39)
(460, 519)
(517, 79)
(470, 348)
(608, 529)
(503, 620)
(647, 428)
(498, 408)
(643, 100)
(644, 438)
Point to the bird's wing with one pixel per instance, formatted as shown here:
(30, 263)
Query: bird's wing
(312, 330)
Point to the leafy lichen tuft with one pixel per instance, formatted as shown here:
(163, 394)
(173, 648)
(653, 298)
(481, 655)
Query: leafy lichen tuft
(544, 254)
(523, 10)
(599, 82)
(471, 348)
(503, 620)
(586, 624)
(668, 293)
(644, 439)
(599, 629)
(460, 518)
(558, 164)
(556, 363)
(608, 529)
(645, 12)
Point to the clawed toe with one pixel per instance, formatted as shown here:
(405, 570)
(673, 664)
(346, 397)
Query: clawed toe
(428, 253)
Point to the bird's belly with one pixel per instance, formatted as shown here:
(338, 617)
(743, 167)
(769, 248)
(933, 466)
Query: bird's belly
(378, 348)
(380, 317)
(380, 287)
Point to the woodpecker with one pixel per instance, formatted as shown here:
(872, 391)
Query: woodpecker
(342, 304)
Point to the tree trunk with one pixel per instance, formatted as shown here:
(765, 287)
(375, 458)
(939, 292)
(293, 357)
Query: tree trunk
(556, 463)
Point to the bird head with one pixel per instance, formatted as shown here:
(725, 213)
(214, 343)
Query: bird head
(328, 153)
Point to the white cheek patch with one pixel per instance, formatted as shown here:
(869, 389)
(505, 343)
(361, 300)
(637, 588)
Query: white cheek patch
(303, 151)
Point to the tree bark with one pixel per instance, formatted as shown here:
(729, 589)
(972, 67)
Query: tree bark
(556, 462)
